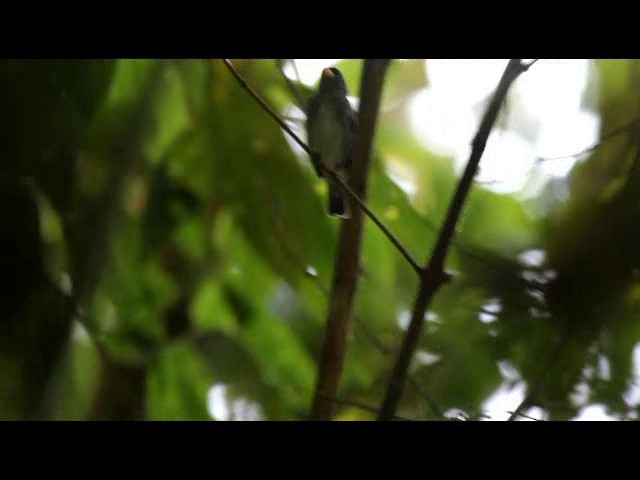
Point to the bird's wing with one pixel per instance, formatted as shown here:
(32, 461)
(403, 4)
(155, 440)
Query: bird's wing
(353, 123)
(313, 107)
(313, 136)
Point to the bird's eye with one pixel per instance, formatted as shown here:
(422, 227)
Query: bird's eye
(335, 71)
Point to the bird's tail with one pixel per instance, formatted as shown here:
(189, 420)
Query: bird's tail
(338, 202)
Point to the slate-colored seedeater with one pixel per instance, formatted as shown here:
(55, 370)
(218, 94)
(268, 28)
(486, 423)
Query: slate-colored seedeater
(330, 126)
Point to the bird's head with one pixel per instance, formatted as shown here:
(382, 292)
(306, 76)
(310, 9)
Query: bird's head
(332, 81)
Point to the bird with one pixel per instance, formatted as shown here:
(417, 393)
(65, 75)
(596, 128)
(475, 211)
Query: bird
(330, 129)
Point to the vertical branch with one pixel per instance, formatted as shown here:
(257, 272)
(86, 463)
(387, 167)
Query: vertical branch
(347, 258)
(433, 276)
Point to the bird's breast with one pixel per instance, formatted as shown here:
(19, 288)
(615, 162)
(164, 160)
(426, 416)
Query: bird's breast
(331, 133)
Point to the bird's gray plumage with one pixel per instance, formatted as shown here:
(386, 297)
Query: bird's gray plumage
(330, 127)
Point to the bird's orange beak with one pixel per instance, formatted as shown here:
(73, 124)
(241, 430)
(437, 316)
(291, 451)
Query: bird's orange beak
(327, 73)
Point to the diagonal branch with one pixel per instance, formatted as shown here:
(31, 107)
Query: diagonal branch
(527, 416)
(433, 276)
(321, 168)
(613, 133)
(243, 83)
(347, 261)
(403, 251)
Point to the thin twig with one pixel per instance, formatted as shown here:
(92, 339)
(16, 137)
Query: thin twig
(266, 107)
(403, 251)
(526, 416)
(292, 87)
(603, 139)
(432, 277)
(321, 168)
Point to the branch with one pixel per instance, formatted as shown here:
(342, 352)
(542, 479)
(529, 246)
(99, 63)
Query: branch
(267, 108)
(525, 416)
(321, 168)
(433, 277)
(467, 251)
(349, 191)
(608, 136)
(403, 251)
(347, 262)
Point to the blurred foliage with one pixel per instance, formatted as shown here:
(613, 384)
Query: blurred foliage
(161, 237)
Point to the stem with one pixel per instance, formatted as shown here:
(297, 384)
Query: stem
(604, 138)
(403, 251)
(433, 276)
(346, 271)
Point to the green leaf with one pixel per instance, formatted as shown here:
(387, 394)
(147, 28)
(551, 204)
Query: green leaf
(177, 385)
